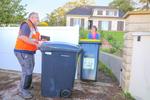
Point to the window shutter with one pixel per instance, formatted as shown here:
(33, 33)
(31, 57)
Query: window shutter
(107, 12)
(109, 27)
(71, 21)
(82, 23)
(99, 25)
(120, 26)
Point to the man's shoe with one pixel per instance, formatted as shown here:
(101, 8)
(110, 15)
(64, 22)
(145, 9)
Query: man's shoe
(25, 94)
(31, 89)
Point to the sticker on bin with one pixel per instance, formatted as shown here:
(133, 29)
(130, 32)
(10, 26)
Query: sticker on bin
(88, 63)
(48, 53)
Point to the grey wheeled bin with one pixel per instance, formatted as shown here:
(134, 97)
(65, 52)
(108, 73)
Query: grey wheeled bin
(59, 62)
(90, 59)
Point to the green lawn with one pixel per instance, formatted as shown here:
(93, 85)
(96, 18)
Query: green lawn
(115, 38)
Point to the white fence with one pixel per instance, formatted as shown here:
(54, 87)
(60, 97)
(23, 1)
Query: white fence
(8, 38)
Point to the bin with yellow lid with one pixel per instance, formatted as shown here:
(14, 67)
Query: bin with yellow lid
(90, 59)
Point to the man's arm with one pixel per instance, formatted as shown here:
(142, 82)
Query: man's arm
(27, 40)
(24, 35)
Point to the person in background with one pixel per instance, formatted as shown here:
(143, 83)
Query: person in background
(26, 45)
(93, 34)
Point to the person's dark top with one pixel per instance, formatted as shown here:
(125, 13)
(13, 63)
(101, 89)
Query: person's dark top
(25, 29)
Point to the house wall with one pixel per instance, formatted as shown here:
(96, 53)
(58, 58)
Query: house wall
(114, 22)
(80, 17)
(114, 25)
(104, 12)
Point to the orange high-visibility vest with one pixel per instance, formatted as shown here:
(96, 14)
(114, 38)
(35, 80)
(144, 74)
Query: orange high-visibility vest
(34, 34)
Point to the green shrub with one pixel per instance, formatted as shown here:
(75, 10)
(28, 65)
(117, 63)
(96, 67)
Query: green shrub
(115, 39)
(128, 96)
(83, 33)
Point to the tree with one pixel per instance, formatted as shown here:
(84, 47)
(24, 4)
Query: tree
(43, 24)
(85, 2)
(57, 17)
(146, 2)
(11, 12)
(124, 5)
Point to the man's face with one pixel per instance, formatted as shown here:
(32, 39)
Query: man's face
(35, 19)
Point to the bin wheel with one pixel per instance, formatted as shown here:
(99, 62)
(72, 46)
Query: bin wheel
(65, 93)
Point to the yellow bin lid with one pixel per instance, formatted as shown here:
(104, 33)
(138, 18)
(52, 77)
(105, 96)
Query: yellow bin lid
(90, 41)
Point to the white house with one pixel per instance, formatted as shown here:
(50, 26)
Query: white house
(104, 17)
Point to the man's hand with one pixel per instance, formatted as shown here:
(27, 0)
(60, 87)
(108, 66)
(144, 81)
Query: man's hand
(38, 45)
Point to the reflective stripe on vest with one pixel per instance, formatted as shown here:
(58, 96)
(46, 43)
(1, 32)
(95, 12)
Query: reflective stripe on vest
(34, 34)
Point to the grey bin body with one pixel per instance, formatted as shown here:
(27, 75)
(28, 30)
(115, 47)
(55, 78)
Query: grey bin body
(90, 60)
(59, 61)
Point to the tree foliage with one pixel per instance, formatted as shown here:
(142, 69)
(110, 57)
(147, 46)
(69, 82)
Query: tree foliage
(57, 17)
(43, 24)
(124, 5)
(146, 2)
(11, 12)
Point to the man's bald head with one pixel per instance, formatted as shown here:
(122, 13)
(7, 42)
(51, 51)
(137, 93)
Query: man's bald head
(34, 18)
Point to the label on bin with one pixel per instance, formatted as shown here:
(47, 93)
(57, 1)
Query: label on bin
(88, 63)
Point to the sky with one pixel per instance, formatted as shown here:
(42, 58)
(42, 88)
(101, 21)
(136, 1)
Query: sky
(47, 6)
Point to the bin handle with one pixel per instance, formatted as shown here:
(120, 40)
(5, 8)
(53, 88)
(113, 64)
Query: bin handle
(48, 53)
(65, 55)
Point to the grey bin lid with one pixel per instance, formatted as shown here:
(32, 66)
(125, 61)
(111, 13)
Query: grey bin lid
(59, 46)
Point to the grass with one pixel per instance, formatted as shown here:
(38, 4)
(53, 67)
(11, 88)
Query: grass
(115, 38)
(113, 35)
(107, 71)
(128, 96)
(125, 95)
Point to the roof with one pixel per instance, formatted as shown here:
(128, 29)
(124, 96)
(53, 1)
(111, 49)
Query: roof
(88, 10)
(136, 13)
(81, 11)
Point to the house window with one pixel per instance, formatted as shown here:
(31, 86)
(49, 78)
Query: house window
(104, 25)
(115, 13)
(99, 12)
(77, 21)
(110, 13)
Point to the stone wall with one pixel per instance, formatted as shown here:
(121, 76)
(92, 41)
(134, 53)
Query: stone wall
(127, 55)
(136, 21)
